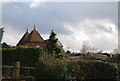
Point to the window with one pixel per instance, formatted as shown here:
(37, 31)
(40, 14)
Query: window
(37, 46)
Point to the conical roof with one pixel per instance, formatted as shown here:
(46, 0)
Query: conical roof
(23, 39)
(34, 36)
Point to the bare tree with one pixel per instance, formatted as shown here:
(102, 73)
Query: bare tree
(115, 51)
(93, 49)
(100, 51)
(85, 47)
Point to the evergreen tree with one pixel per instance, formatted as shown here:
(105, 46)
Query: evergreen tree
(5, 45)
(51, 46)
(1, 34)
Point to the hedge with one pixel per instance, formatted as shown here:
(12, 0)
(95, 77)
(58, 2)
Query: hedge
(26, 56)
(71, 70)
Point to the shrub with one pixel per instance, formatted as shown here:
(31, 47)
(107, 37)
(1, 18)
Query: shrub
(104, 70)
(114, 59)
(71, 70)
(50, 69)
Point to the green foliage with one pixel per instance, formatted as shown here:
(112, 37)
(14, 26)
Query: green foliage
(119, 72)
(71, 70)
(5, 45)
(26, 56)
(68, 51)
(104, 70)
(105, 54)
(51, 46)
(50, 69)
(114, 59)
(1, 33)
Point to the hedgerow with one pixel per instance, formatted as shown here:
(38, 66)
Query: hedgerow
(72, 70)
(26, 56)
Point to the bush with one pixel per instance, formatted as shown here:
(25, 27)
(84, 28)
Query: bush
(104, 70)
(71, 70)
(50, 69)
(114, 59)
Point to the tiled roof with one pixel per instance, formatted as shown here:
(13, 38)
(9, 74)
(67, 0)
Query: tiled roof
(97, 56)
(34, 36)
(31, 39)
(22, 41)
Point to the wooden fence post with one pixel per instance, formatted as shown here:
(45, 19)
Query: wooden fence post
(16, 75)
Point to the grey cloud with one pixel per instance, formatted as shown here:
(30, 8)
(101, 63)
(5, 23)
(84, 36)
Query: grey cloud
(54, 14)
(20, 15)
(99, 28)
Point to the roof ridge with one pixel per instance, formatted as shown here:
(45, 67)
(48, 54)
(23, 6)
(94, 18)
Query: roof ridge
(34, 36)
(23, 39)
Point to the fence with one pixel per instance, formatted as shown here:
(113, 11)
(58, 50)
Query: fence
(17, 73)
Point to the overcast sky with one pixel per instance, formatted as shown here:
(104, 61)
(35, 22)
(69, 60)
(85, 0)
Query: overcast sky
(73, 22)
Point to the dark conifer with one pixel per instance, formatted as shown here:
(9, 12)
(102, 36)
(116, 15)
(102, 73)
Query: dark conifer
(51, 46)
(1, 34)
